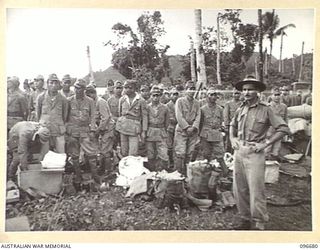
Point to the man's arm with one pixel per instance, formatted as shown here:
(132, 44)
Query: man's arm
(180, 119)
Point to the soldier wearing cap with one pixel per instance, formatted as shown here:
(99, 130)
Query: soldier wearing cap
(105, 130)
(113, 103)
(285, 96)
(156, 139)
(66, 84)
(228, 112)
(109, 91)
(17, 103)
(52, 111)
(248, 138)
(133, 121)
(23, 138)
(281, 110)
(188, 115)
(38, 83)
(145, 93)
(211, 138)
(174, 95)
(81, 129)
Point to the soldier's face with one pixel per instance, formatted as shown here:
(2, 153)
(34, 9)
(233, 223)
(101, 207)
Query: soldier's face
(249, 91)
(190, 90)
(53, 86)
(155, 98)
(38, 83)
(66, 85)
(174, 96)
(129, 89)
(236, 95)
(276, 98)
(79, 92)
(118, 90)
(145, 93)
(212, 97)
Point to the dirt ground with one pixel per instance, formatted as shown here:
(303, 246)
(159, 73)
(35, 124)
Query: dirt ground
(289, 206)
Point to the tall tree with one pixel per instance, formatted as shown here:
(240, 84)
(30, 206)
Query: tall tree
(281, 32)
(301, 64)
(270, 23)
(201, 67)
(140, 53)
(218, 50)
(192, 61)
(260, 70)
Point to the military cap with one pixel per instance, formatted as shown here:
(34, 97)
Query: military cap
(66, 77)
(212, 90)
(190, 84)
(118, 84)
(90, 89)
(53, 77)
(174, 90)
(110, 83)
(155, 90)
(252, 80)
(144, 87)
(39, 77)
(15, 80)
(130, 82)
(80, 84)
(43, 133)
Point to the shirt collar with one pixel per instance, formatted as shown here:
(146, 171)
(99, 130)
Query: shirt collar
(137, 97)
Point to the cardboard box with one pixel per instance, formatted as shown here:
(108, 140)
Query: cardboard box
(49, 182)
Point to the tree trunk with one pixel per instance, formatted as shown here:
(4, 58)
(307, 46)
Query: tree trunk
(301, 64)
(260, 46)
(218, 51)
(201, 67)
(192, 63)
(90, 66)
(266, 56)
(293, 66)
(280, 58)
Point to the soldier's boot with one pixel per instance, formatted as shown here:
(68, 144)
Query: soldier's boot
(170, 154)
(77, 173)
(180, 166)
(223, 166)
(151, 165)
(102, 166)
(92, 160)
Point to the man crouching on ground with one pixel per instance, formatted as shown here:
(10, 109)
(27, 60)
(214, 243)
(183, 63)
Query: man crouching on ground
(247, 134)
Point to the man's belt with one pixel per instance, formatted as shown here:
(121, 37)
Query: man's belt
(131, 117)
(152, 125)
(14, 114)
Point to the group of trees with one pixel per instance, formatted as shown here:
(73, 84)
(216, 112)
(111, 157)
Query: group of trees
(225, 51)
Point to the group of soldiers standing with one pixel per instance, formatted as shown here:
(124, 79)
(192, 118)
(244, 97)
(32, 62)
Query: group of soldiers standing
(169, 126)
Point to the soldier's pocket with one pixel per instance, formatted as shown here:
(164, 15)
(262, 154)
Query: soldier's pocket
(259, 125)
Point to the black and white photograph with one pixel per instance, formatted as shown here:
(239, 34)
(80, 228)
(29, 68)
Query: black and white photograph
(159, 119)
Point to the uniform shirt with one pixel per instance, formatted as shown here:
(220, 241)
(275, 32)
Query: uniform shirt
(33, 98)
(113, 103)
(286, 99)
(21, 137)
(67, 94)
(52, 112)
(158, 121)
(280, 109)
(81, 116)
(187, 114)
(251, 123)
(103, 115)
(229, 111)
(172, 116)
(16, 108)
(133, 116)
(211, 121)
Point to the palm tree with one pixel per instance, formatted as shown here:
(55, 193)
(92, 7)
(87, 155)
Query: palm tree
(260, 46)
(270, 23)
(218, 50)
(281, 32)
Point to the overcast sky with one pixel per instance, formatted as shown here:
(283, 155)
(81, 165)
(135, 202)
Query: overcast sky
(44, 41)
